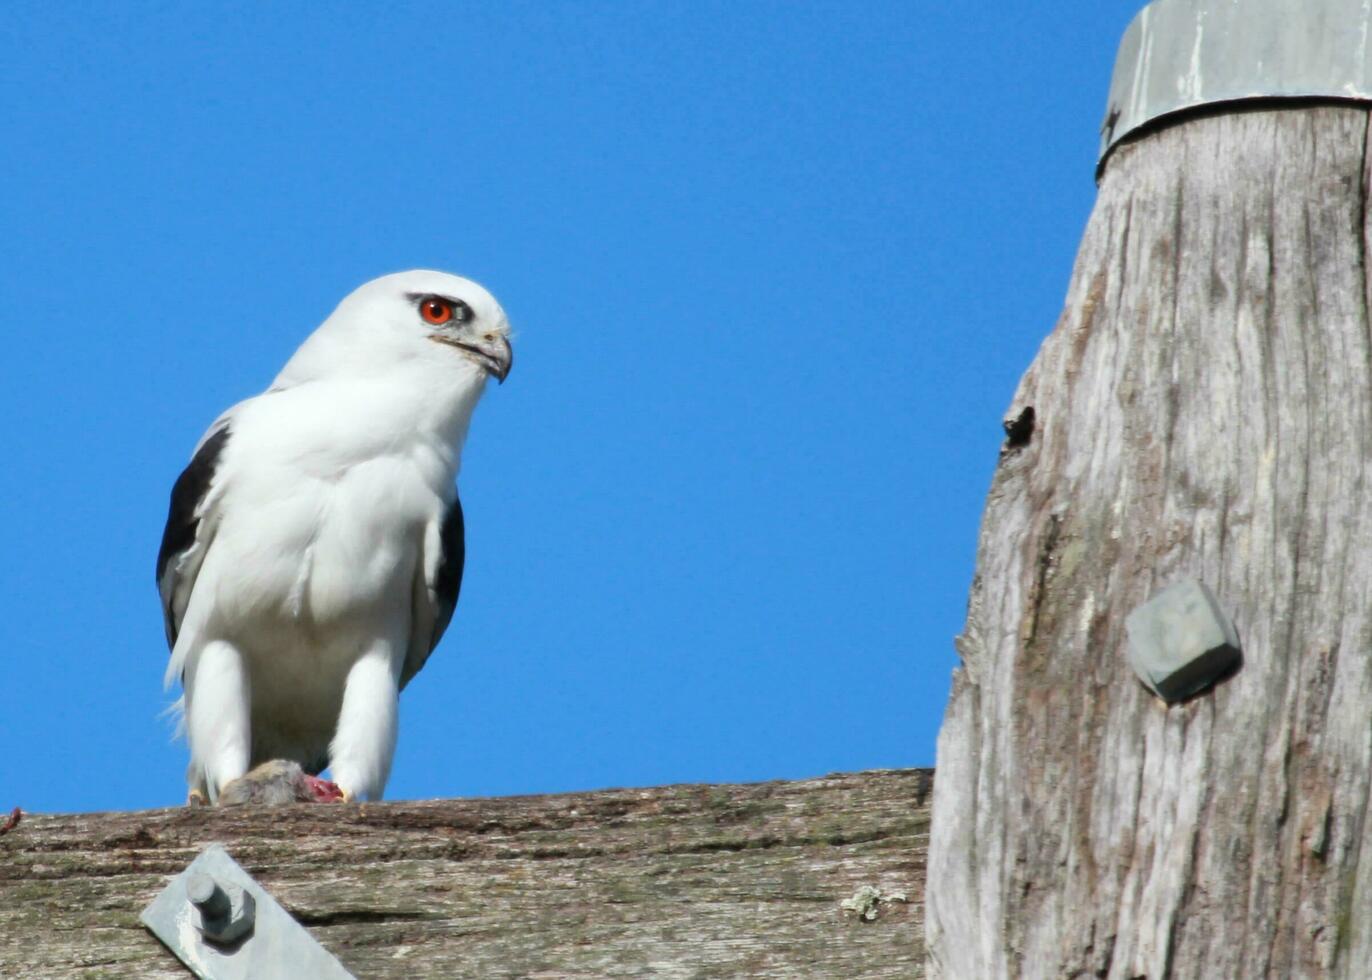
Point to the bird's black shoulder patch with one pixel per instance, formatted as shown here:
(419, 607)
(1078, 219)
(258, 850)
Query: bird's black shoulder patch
(183, 521)
(439, 595)
(448, 580)
(190, 488)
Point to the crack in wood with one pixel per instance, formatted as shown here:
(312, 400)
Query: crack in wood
(1018, 430)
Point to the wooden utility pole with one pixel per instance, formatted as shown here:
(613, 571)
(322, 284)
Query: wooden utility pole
(1202, 409)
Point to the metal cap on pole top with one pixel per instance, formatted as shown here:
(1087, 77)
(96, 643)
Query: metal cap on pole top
(1180, 55)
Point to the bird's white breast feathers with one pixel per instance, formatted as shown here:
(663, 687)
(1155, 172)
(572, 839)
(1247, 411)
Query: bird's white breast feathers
(321, 508)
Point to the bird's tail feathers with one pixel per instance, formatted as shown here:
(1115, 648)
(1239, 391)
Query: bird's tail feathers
(187, 640)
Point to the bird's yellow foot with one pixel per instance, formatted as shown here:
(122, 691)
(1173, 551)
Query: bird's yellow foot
(197, 797)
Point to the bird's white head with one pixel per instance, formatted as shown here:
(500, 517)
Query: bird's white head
(416, 317)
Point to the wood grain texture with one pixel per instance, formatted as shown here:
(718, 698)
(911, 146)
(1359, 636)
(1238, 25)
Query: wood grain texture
(673, 882)
(1203, 408)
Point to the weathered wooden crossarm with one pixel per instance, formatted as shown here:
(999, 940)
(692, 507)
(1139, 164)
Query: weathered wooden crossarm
(677, 881)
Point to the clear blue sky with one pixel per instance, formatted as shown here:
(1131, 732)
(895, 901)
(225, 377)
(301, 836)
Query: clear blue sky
(775, 269)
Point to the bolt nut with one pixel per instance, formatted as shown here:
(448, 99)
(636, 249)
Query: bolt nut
(226, 914)
(1180, 641)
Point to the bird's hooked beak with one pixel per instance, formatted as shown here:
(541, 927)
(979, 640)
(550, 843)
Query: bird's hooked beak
(491, 350)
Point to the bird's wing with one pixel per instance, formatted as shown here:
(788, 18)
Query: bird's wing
(187, 535)
(437, 584)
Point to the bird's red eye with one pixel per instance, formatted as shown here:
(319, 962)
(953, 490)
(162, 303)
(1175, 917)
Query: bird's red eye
(436, 310)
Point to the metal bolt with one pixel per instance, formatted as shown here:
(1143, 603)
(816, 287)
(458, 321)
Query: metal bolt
(225, 915)
(1181, 642)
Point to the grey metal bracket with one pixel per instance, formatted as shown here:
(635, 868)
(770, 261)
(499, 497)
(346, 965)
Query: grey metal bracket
(225, 926)
(1182, 54)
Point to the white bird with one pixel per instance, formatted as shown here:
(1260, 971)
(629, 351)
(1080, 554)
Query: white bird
(314, 546)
